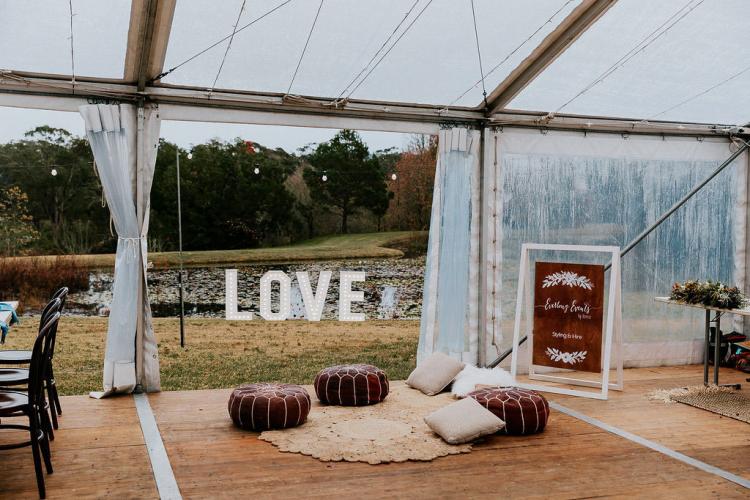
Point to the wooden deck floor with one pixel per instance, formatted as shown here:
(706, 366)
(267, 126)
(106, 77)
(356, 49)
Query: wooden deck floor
(100, 451)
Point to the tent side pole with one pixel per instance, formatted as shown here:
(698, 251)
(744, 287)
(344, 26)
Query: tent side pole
(482, 306)
(140, 158)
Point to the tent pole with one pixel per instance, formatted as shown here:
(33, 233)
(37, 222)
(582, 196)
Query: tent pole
(140, 118)
(179, 231)
(741, 149)
(482, 330)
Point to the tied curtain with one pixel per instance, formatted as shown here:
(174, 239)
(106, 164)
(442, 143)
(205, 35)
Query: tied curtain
(450, 299)
(124, 140)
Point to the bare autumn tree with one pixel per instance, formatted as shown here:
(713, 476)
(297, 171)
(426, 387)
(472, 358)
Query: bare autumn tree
(412, 189)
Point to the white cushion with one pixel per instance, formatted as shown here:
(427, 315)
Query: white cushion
(463, 421)
(434, 373)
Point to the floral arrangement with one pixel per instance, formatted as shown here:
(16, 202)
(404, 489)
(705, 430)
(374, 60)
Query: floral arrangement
(709, 293)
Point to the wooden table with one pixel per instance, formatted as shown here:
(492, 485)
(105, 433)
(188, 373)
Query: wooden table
(717, 339)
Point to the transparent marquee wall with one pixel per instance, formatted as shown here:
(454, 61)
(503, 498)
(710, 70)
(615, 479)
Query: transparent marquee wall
(605, 190)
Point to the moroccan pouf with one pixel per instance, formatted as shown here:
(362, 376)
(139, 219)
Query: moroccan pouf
(522, 410)
(351, 385)
(260, 407)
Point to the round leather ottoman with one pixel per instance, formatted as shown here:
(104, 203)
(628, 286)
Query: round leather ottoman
(351, 385)
(260, 407)
(522, 410)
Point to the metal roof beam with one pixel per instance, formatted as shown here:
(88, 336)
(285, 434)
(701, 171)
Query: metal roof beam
(148, 37)
(578, 21)
(55, 92)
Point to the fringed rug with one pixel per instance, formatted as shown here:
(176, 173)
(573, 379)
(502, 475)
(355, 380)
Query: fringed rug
(720, 400)
(391, 431)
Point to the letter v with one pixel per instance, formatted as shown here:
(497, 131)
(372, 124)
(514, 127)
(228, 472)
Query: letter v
(314, 302)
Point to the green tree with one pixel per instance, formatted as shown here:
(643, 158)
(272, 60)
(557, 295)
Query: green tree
(56, 170)
(18, 231)
(344, 175)
(225, 203)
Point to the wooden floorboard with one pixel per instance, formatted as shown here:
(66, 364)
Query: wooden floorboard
(720, 441)
(99, 451)
(571, 459)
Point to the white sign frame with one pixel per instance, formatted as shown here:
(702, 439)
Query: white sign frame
(613, 327)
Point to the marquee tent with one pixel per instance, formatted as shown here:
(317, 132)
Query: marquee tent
(559, 121)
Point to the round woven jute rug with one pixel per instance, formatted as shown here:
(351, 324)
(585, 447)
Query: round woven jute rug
(390, 431)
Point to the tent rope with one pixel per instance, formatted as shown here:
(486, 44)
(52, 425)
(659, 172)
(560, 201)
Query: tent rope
(637, 49)
(304, 49)
(699, 94)
(406, 30)
(200, 53)
(229, 46)
(508, 56)
(479, 54)
(390, 37)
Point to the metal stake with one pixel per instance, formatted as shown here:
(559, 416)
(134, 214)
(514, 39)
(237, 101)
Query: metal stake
(179, 231)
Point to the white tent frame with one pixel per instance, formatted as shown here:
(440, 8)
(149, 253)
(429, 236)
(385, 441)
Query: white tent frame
(148, 37)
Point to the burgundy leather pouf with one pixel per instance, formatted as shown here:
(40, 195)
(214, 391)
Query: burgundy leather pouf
(522, 410)
(351, 385)
(260, 407)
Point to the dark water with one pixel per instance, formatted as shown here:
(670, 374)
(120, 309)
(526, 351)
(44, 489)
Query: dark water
(393, 289)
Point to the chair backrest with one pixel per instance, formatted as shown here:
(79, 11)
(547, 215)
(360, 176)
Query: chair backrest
(62, 294)
(40, 360)
(53, 306)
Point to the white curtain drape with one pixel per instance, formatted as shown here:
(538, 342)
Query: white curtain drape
(450, 322)
(124, 142)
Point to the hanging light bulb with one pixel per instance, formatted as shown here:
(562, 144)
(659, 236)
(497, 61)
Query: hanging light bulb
(324, 178)
(54, 172)
(190, 156)
(256, 170)
(394, 177)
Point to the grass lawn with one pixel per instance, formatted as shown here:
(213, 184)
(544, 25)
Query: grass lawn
(347, 246)
(222, 353)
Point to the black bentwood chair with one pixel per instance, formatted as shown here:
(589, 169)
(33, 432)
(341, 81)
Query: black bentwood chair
(14, 378)
(31, 404)
(18, 376)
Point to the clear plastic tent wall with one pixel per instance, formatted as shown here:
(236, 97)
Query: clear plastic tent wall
(604, 189)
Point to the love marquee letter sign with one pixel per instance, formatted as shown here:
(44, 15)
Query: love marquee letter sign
(313, 301)
(566, 325)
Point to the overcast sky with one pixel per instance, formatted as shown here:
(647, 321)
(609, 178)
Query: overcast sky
(670, 59)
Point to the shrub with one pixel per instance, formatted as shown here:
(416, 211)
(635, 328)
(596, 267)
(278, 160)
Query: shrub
(34, 280)
(414, 245)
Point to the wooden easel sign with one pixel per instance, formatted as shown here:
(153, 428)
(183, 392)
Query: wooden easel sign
(565, 322)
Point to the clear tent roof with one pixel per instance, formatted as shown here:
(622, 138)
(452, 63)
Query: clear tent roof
(35, 36)
(433, 63)
(680, 50)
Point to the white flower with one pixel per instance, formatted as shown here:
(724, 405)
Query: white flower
(567, 278)
(569, 358)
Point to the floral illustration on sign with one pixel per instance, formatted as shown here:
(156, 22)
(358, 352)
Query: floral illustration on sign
(569, 358)
(567, 278)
